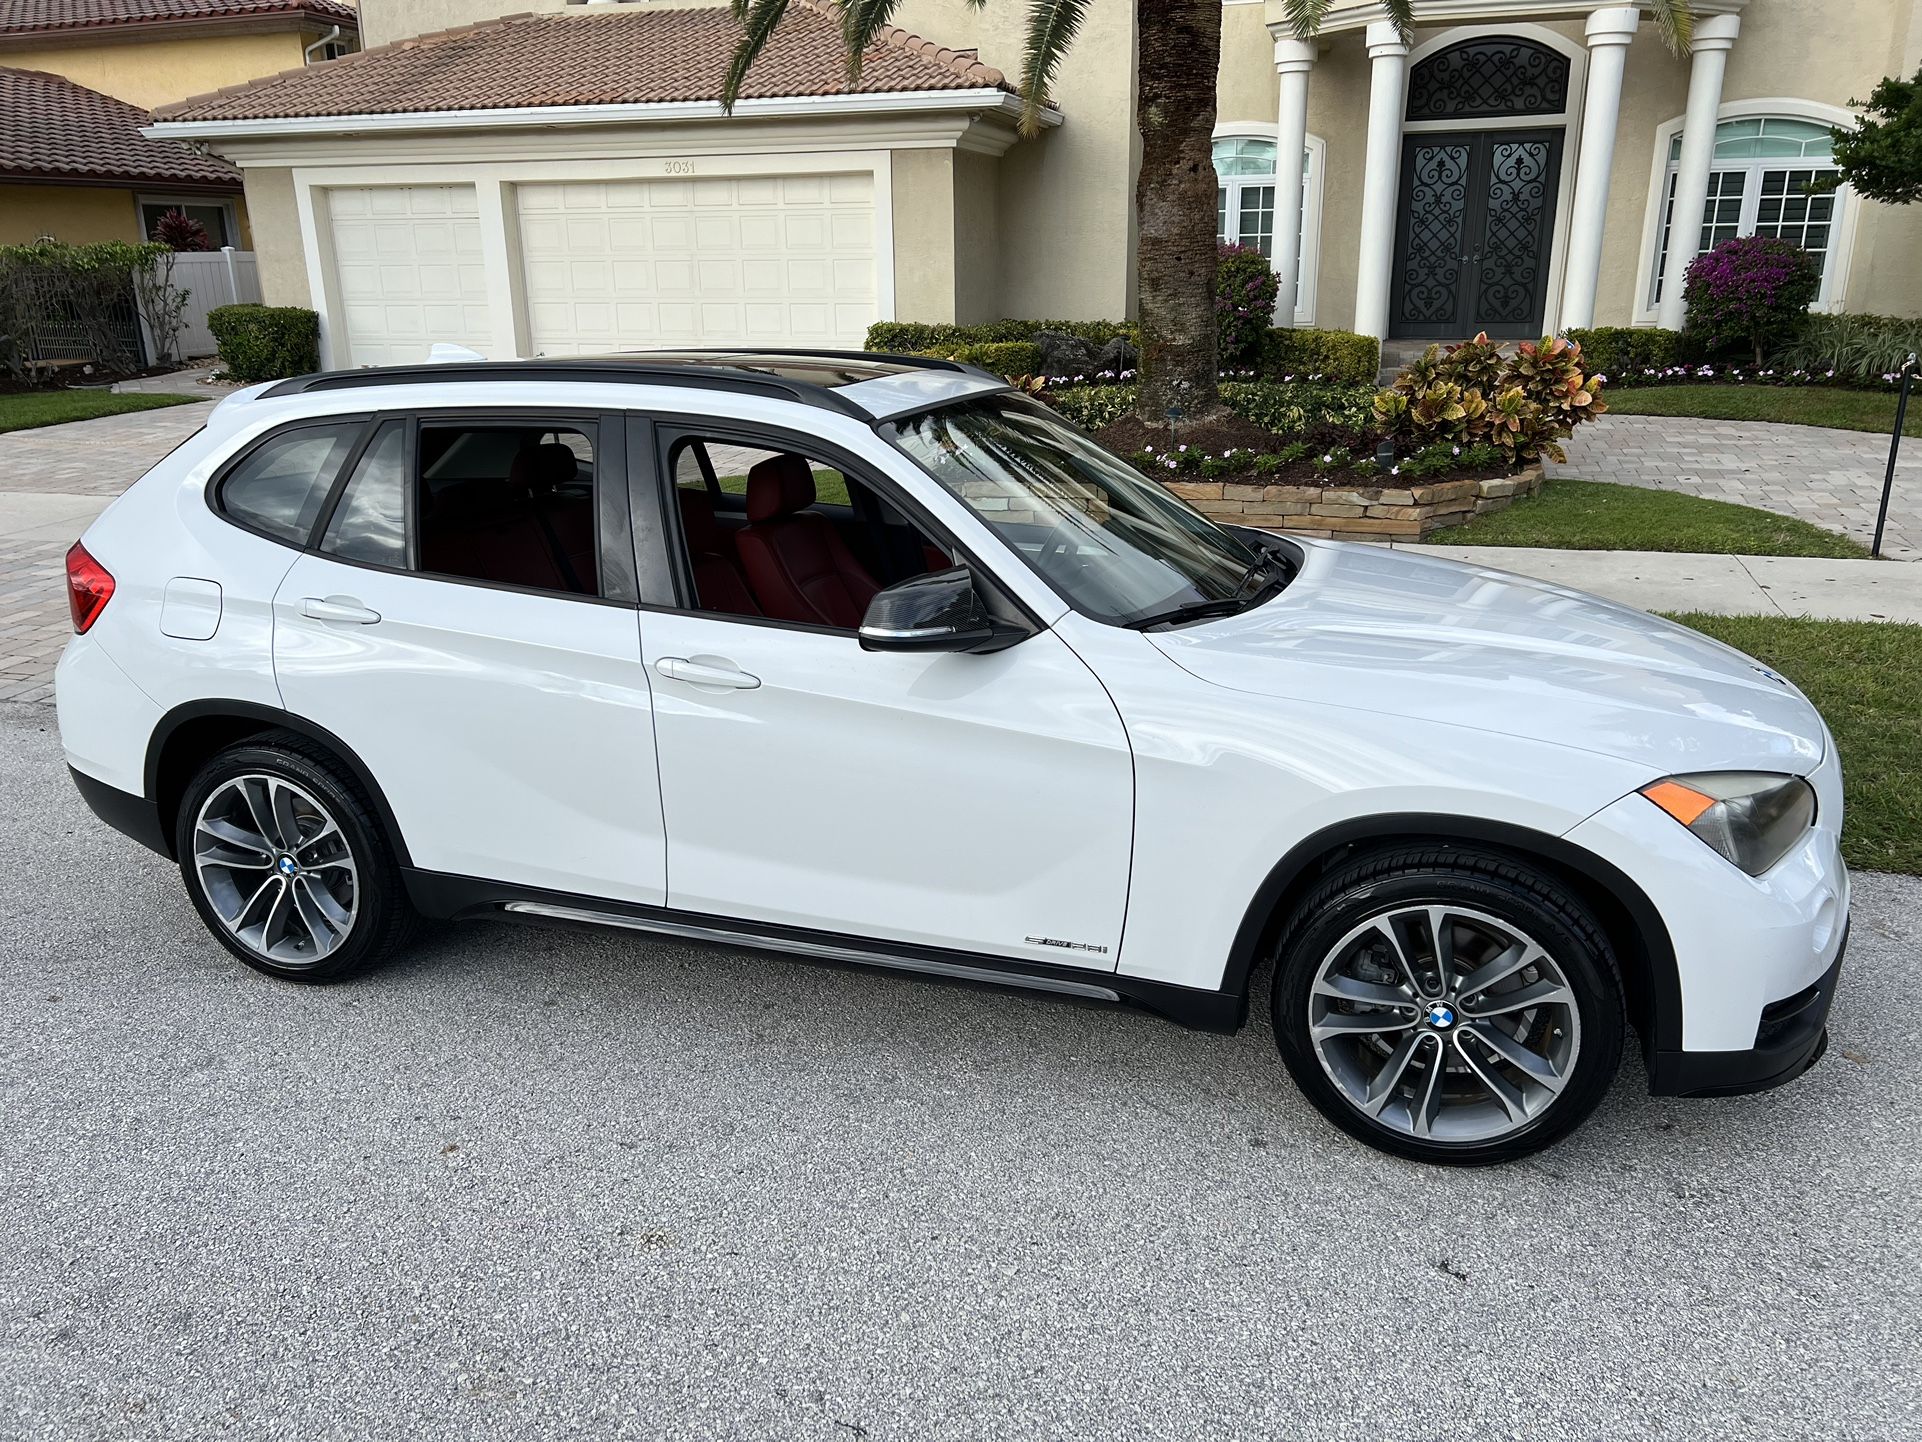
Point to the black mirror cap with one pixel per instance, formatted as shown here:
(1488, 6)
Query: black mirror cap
(940, 611)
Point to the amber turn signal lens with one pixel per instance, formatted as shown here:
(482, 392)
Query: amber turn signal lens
(1684, 803)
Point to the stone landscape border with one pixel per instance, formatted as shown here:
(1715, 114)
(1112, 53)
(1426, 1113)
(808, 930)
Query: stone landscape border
(1357, 512)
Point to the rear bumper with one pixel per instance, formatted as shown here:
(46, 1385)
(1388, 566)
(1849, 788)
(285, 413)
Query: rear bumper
(126, 813)
(1791, 1038)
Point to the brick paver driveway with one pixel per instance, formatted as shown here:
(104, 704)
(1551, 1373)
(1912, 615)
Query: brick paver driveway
(1832, 478)
(53, 481)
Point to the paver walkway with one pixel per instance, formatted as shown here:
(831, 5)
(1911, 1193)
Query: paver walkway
(1831, 478)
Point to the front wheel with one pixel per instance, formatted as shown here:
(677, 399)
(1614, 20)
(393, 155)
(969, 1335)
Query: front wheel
(287, 864)
(1448, 1005)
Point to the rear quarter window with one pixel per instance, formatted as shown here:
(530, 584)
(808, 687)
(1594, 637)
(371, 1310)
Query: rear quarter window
(279, 486)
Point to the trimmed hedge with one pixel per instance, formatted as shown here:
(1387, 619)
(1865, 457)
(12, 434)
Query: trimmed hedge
(1002, 357)
(265, 342)
(1331, 355)
(1625, 353)
(1279, 407)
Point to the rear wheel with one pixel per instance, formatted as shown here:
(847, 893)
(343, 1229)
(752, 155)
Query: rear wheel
(287, 864)
(1448, 1005)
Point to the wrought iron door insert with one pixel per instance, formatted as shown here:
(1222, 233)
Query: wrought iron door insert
(1477, 218)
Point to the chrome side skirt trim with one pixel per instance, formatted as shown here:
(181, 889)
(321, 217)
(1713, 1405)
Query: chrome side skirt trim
(824, 950)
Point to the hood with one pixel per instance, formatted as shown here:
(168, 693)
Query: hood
(1404, 634)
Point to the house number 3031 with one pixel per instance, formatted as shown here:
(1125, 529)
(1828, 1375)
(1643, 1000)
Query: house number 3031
(680, 167)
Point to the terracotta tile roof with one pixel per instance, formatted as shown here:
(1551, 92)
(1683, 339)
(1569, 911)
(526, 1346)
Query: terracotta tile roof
(52, 129)
(31, 17)
(593, 57)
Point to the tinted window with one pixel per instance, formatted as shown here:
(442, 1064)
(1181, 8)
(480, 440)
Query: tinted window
(370, 523)
(282, 483)
(508, 503)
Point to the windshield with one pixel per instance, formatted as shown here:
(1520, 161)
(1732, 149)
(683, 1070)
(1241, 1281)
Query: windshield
(1116, 545)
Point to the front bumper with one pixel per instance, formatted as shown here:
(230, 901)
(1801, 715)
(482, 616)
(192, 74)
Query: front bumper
(1791, 1038)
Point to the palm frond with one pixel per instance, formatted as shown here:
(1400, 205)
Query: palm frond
(1051, 30)
(758, 19)
(1401, 14)
(861, 22)
(1675, 22)
(1305, 16)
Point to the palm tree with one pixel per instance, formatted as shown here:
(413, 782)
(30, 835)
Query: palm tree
(1179, 42)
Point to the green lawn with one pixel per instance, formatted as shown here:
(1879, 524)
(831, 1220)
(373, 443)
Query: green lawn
(1866, 679)
(1596, 516)
(830, 487)
(1800, 406)
(23, 410)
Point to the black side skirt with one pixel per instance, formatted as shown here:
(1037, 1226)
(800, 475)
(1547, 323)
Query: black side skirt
(446, 897)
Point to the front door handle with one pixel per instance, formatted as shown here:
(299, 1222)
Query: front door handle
(698, 673)
(338, 608)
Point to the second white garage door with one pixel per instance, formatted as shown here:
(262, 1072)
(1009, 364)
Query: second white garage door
(407, 264)
(776, 260)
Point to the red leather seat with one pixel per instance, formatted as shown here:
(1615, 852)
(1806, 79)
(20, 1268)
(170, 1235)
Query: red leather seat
(718, 583)
(796, 562)
(519, 532)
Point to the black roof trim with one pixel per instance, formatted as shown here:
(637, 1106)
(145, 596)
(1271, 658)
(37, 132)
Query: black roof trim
(721, 378)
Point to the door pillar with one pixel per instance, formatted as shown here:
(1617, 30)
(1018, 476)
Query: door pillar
(1381, 177)
(1609, 33)
(1294, 59)
(1714, 38)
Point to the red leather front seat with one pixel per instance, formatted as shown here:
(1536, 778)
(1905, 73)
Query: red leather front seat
(718, 584)
(795, 560)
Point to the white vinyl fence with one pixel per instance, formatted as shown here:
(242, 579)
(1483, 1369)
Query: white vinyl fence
(211, 278)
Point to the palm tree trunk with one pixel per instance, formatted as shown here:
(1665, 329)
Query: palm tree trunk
(1179, 43)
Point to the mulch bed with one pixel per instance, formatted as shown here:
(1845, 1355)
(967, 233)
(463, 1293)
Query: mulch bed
(1233, 432)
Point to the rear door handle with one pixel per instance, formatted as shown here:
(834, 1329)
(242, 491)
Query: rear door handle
(696, 673)
(338, 608)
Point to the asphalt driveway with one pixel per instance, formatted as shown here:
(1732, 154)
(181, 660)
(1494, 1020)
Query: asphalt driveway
(552, 1185)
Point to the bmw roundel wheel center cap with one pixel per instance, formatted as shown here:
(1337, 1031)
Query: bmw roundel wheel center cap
(1441, 1015)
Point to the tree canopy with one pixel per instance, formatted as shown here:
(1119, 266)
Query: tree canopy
(1882, 156)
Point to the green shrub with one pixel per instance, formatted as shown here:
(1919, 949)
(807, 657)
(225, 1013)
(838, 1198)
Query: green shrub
(1002, 357)
(266, 342)
(1862, 348)
(1245, 290)
(1627, 354)
(906, 337)
(1269, 404)
(1525, 403)
(1332, 355)
(51, 288)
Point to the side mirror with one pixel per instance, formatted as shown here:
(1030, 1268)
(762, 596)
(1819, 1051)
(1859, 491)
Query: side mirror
(937, 612)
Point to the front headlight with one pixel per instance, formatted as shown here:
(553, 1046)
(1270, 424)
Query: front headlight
(1751, 817)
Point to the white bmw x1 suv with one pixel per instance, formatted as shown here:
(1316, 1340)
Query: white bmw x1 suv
(878, 661)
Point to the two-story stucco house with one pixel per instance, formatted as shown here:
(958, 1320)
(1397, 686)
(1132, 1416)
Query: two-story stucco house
(564, 181)
(78, 79)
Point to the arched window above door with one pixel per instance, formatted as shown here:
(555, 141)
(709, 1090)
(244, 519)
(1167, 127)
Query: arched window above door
(1493, 76)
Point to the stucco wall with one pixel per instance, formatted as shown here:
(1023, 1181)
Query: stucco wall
(923, 183)
(276, 228)
(977, 233)
(157, 72)
(76, 214)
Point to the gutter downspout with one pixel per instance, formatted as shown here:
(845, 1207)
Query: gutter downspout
(307, 54)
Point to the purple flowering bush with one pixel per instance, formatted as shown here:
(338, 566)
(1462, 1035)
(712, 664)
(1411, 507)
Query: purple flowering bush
(1754, 291)
(1246, 288)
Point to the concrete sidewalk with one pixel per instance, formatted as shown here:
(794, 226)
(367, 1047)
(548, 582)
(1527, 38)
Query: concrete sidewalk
(1721, 585)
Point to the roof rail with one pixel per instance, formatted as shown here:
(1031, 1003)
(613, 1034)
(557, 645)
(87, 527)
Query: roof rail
(721, 378)
(920, 362)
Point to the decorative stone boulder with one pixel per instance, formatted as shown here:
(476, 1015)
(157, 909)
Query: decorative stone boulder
(1065, 356)
(1116, 356)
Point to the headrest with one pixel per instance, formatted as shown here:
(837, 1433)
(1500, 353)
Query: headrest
(550, 464)
(703, 532)
(779, 486)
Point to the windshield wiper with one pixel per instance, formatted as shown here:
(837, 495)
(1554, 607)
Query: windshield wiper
(1271, 570)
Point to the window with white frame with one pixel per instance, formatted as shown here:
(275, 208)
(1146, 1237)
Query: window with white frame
(1245, 197)
(1762, 182)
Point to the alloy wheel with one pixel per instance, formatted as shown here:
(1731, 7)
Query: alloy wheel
(276, 869)
(1444, 1024)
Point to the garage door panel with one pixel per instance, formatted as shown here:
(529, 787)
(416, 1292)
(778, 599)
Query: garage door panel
(407, 268)
(712, 261)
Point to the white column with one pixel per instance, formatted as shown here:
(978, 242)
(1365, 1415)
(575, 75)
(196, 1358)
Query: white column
(1714, 38)
(1609, 33)
(1293, 60)
(1381, 177)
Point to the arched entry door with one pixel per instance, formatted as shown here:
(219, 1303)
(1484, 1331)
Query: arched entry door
(1481, 168)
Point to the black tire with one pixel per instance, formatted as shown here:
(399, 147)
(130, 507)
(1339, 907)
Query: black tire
(1498, 886)
(383, 920)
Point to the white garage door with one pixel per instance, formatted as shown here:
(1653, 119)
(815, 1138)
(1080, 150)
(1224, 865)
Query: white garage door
(777, 260)
(407, 265)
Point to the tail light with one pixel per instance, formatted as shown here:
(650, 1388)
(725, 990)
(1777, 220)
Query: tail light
(89, 588)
